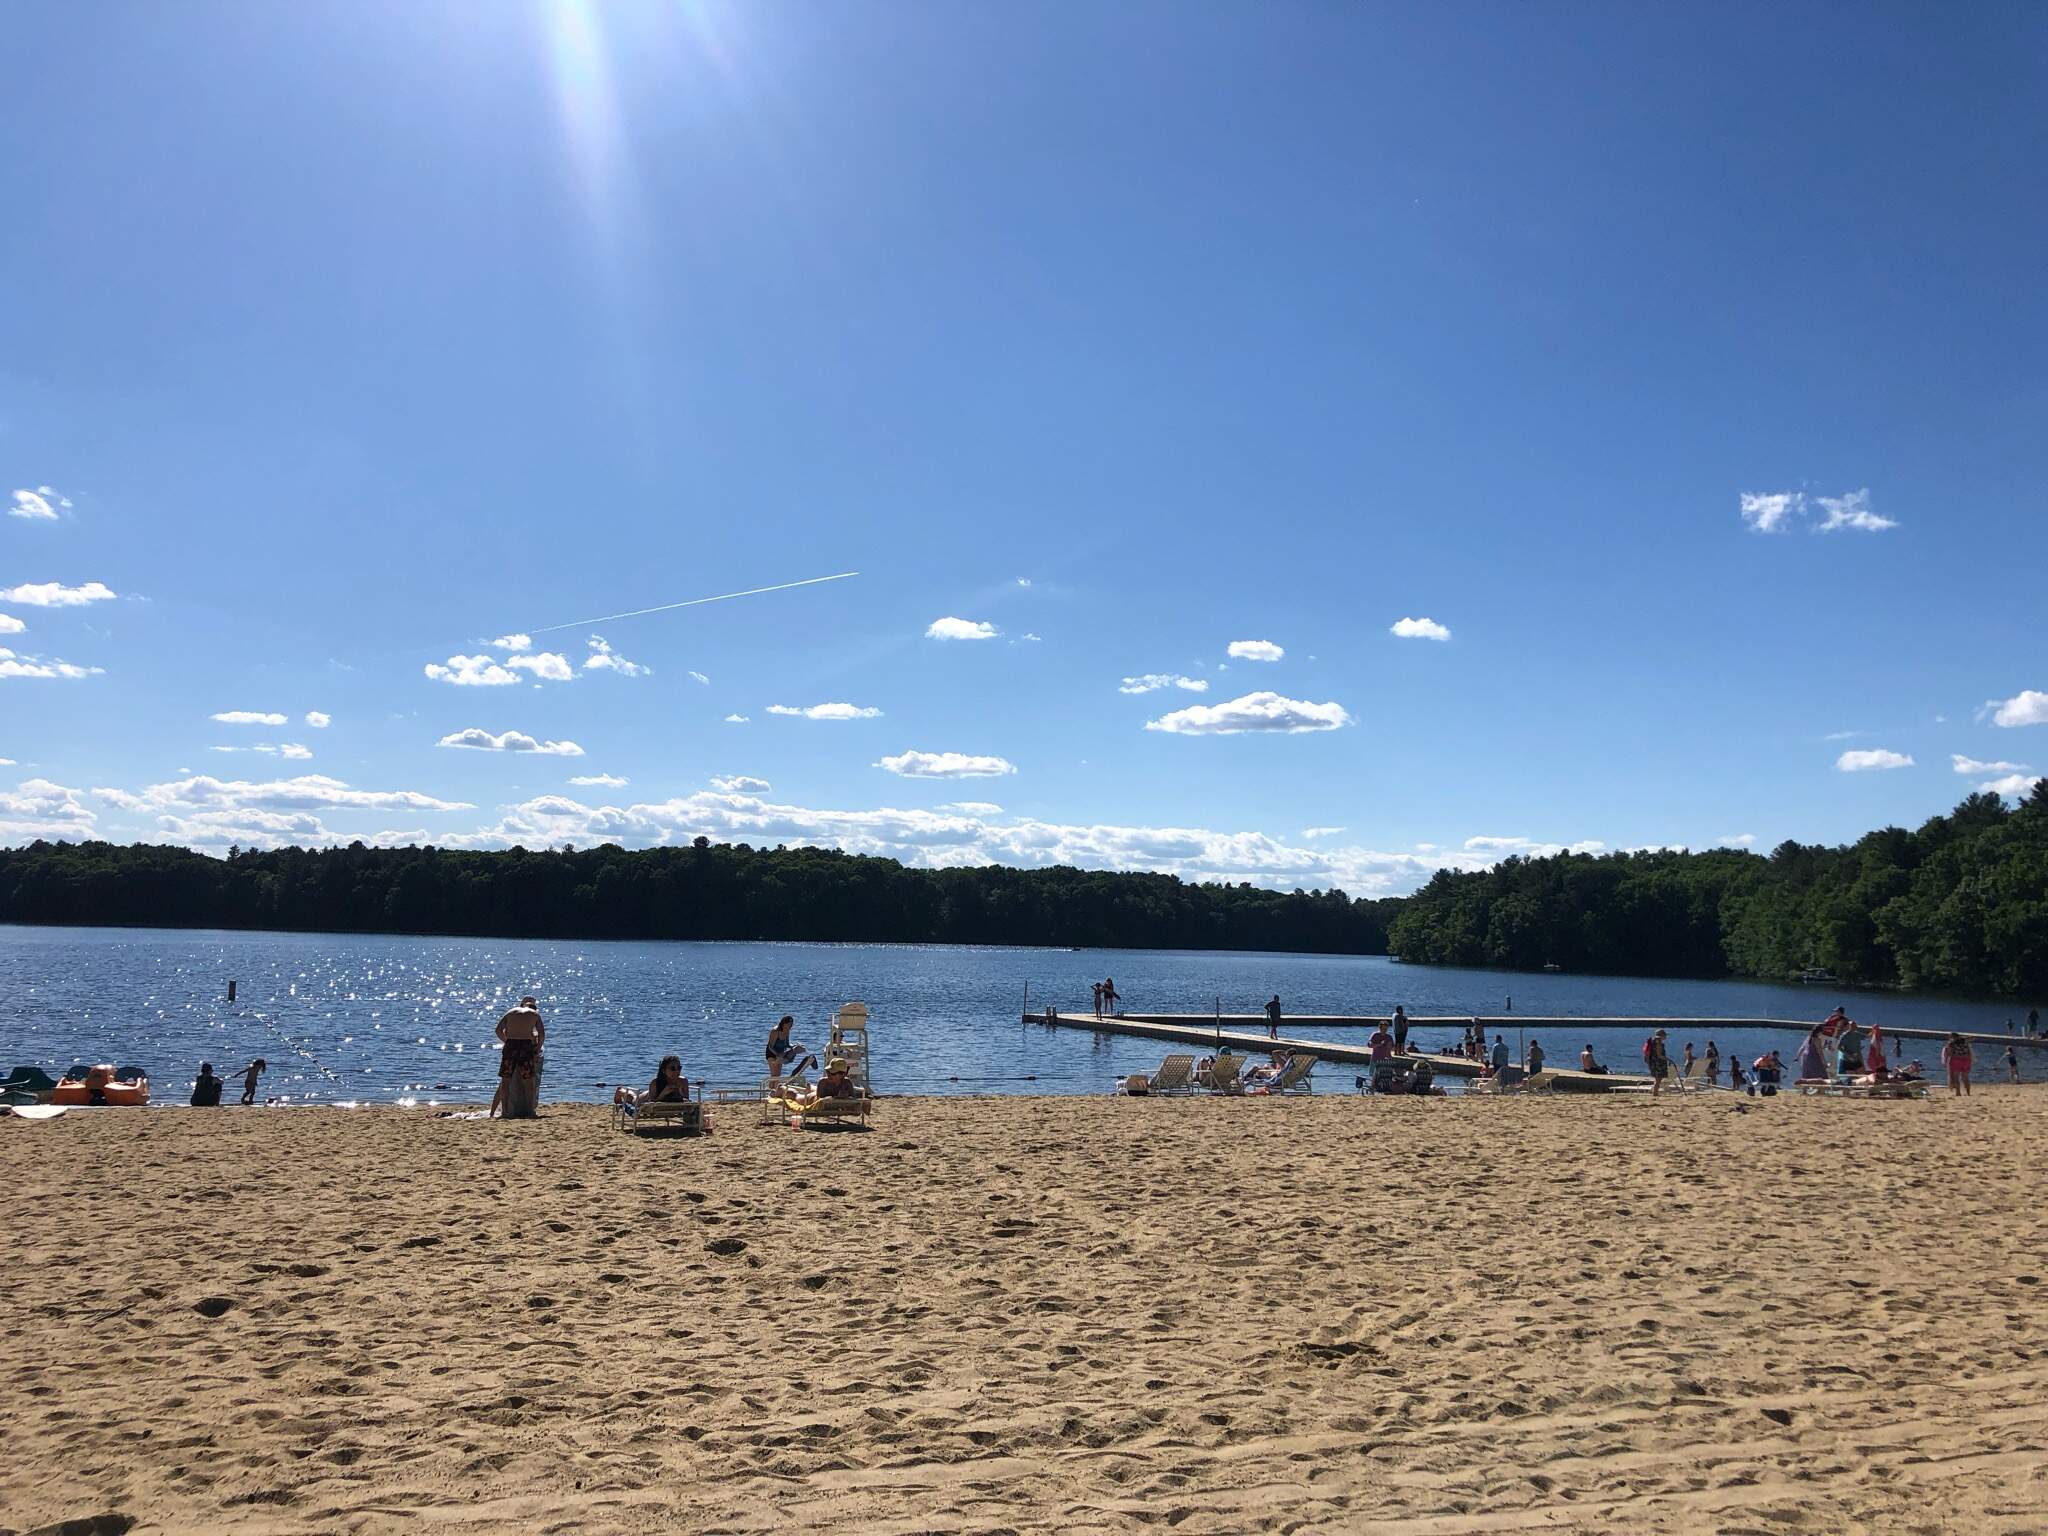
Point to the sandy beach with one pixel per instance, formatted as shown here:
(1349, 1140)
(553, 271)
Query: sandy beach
(1036, 1314)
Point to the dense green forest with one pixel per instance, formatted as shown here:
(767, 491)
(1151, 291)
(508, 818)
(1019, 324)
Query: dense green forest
(1960, 903)
(705, 891)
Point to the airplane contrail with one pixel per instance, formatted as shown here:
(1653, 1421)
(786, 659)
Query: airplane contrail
(809, 581)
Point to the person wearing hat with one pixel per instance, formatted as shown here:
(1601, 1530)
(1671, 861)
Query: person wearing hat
(1657, 1060)
(837, 1083)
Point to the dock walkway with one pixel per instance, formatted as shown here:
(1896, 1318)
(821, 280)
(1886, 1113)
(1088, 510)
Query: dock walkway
(1506, 1023)
(1209, 1037)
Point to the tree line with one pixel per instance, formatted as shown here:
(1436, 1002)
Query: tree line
(1959, 903)
(703, 891)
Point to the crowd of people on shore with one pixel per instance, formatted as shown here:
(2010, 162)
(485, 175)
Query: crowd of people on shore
(1836, 1049)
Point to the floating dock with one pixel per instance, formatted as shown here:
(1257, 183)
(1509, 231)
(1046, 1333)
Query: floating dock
(1183, 1031)
(1505, 1023)
(1186, 1030)
(1246, 1034)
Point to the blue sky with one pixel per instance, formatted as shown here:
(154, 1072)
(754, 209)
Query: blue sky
(339, 340)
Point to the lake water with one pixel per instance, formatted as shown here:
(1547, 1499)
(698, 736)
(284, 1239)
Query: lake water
(375, 1018)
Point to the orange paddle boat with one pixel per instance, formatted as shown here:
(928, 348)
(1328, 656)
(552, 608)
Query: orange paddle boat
(101, 1086)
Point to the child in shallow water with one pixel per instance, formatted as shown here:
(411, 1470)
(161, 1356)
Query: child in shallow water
(256, 1069)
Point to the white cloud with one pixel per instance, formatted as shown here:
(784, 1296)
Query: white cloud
(1528, 847)
(1737, 840)
(10, 625)
(973, 807)
(1027, 635)
(289, 749)
(1149, 681)
(2027, 707)
(960, 629)
(1256, 650)
(313, 791)
(1312, 833)
(1843, 735)
(1771, 511)
(548, 666)
(2015, 785)
(1419, 629)
(946, 765)
(1873, 759)
(740, 784)
(480, 740)
(960, 835)
(1262, 711)
(50, 594)
(1972, 765)
(40, 504)
(513, 642)
(735, 719)
(603, 658)
(600, 780)
(471, 672)
(39, 808)
(247, 717)
(14, 664)
(318, 719)
(699, 677)
(1852, 511)
(1023, 581)
(825, 711)
(6, 762)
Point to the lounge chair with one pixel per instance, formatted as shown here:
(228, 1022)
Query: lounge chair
(802, 1111)
(1222, 1076)
(1176, 1074)
(681, 1117)
(1293, 1078)
(1853, 1088)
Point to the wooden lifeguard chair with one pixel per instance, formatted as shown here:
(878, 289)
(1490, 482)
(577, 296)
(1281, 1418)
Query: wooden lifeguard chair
(850, 1040)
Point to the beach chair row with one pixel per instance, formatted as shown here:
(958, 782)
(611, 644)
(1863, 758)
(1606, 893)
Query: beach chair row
(1223, 1074)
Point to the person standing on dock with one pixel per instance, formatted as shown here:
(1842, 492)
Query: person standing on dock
(1400, 1030)
(1109, 997)
(1500, 1054)
(2033, 1022)
(1097, 989)
(1273, 1017)
(1534, 1060)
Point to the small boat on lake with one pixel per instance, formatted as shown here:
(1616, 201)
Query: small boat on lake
(103, 1085)
(1815, 976)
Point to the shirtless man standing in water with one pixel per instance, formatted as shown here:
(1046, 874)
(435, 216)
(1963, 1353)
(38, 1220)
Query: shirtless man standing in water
(522, 1031)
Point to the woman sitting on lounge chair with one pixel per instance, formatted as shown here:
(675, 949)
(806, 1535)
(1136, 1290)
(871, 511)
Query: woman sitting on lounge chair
(837, 1083)
(1259, 1076)
(669, 1087)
